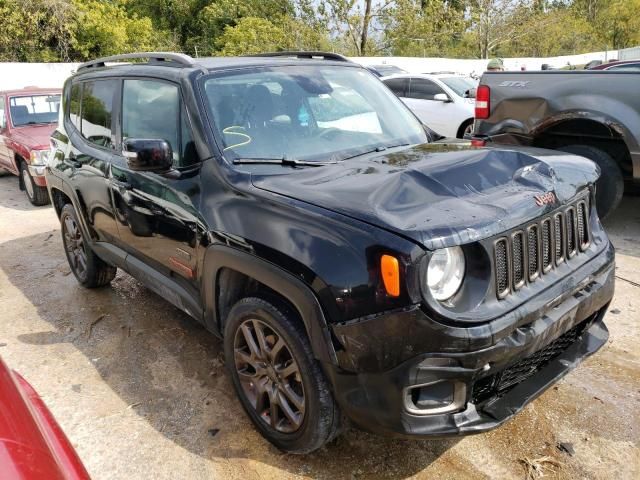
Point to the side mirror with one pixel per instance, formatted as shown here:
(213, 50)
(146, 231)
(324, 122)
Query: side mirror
(148, 155)
(441, 97)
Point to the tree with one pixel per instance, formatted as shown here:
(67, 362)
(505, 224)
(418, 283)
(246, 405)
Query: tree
(106, 28)
(424, 27)
(252, 35)
(36, 30)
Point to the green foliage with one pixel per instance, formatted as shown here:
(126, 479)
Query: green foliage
(106, 28)
(77, 30)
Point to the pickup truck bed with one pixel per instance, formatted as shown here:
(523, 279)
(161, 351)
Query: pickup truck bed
(595, 114)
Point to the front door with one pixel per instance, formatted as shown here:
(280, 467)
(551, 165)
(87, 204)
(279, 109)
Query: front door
(157, 214)
(90, 119)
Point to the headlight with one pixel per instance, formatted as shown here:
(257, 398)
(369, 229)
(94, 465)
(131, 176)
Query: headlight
(39, 157)
(445, 272)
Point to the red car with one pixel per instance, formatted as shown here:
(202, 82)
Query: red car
(27, 119)
(32, 444)
(619, 66)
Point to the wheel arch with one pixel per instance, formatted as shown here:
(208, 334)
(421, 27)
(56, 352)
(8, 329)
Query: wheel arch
(463, 125)
(598, 131)
(226, 264)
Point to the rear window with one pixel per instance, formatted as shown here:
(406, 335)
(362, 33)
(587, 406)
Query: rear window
(34, 109)
(96, 112)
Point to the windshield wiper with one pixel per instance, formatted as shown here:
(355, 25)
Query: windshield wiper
(280, 161)
(376, 150)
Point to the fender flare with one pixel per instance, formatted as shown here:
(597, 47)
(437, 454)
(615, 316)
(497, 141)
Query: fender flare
(218, 256)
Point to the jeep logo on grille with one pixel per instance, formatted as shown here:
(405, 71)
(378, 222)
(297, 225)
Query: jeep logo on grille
(548, 198)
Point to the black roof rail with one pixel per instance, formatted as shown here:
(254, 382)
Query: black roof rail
(324, 55)
(155, 58)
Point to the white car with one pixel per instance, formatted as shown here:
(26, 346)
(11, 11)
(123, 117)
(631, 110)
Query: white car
(443, 101)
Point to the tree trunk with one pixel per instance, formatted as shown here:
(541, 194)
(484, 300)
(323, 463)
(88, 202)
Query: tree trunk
(365, 27)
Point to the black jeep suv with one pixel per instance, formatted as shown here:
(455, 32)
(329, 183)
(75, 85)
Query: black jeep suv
(355, 265)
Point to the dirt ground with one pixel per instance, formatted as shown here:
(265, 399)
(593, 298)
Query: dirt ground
(141, 391)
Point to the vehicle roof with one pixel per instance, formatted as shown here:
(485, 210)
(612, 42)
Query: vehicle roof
(604, 66)
(28, 90)
(423, 75)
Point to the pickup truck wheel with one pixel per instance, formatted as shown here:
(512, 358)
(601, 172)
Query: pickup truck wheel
(610, 185)
(37, 195)
(90, 270)
(280, 384)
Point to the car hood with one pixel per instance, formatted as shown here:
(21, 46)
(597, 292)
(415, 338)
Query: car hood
(33, 136)
(440, 194)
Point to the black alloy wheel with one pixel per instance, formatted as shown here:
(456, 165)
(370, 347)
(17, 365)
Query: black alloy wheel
(278, 380)
(88, 268)
(269, 375)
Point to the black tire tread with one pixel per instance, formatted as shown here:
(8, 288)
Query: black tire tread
(40, 194)
(608, 196)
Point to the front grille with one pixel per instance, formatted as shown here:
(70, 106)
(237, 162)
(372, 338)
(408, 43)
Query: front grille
(517, 244)
(532, 244)
(539, 247)
(496, 385)
(502, 265)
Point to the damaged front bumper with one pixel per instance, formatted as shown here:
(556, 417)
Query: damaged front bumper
(405, 374)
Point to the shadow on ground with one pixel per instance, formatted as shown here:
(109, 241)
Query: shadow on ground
(170, 370)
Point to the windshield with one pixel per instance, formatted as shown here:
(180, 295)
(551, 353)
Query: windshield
(308, 113)
(34, 109)
(461, 85)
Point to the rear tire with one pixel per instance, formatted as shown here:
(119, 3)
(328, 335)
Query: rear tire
(610, 185)
(465, 129)
(88, 268)
(36, 194)
(291, 379)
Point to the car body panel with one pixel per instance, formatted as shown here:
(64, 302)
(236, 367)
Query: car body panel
(433, 194)
(526, 104)
(32, 445)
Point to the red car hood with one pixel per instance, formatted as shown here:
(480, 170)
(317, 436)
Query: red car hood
(34, 137)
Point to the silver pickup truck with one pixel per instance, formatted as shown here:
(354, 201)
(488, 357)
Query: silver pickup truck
(595, 114)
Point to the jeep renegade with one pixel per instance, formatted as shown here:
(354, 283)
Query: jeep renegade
(356, 265)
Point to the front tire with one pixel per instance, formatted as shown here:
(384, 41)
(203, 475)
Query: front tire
(280, 385)
(87, 267)
(610, 185)
(36, 194)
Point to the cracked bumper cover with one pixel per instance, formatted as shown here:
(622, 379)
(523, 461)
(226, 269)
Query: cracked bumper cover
(372, 394)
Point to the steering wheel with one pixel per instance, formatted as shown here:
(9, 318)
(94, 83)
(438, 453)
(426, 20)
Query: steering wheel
(329, 133)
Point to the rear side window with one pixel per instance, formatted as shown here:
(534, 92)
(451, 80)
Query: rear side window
(74, 104)
(397, 86)
(153, 110)
(97, 111)
(423, 89)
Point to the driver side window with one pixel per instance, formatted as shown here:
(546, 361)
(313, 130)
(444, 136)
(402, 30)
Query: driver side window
(152, 110)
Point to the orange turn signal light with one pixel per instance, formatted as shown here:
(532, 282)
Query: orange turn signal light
(390, 269)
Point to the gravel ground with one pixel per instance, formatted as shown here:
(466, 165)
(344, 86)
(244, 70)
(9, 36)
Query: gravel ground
(141, 391)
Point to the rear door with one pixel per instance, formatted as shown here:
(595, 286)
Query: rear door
(434, 113)
(157, 212)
